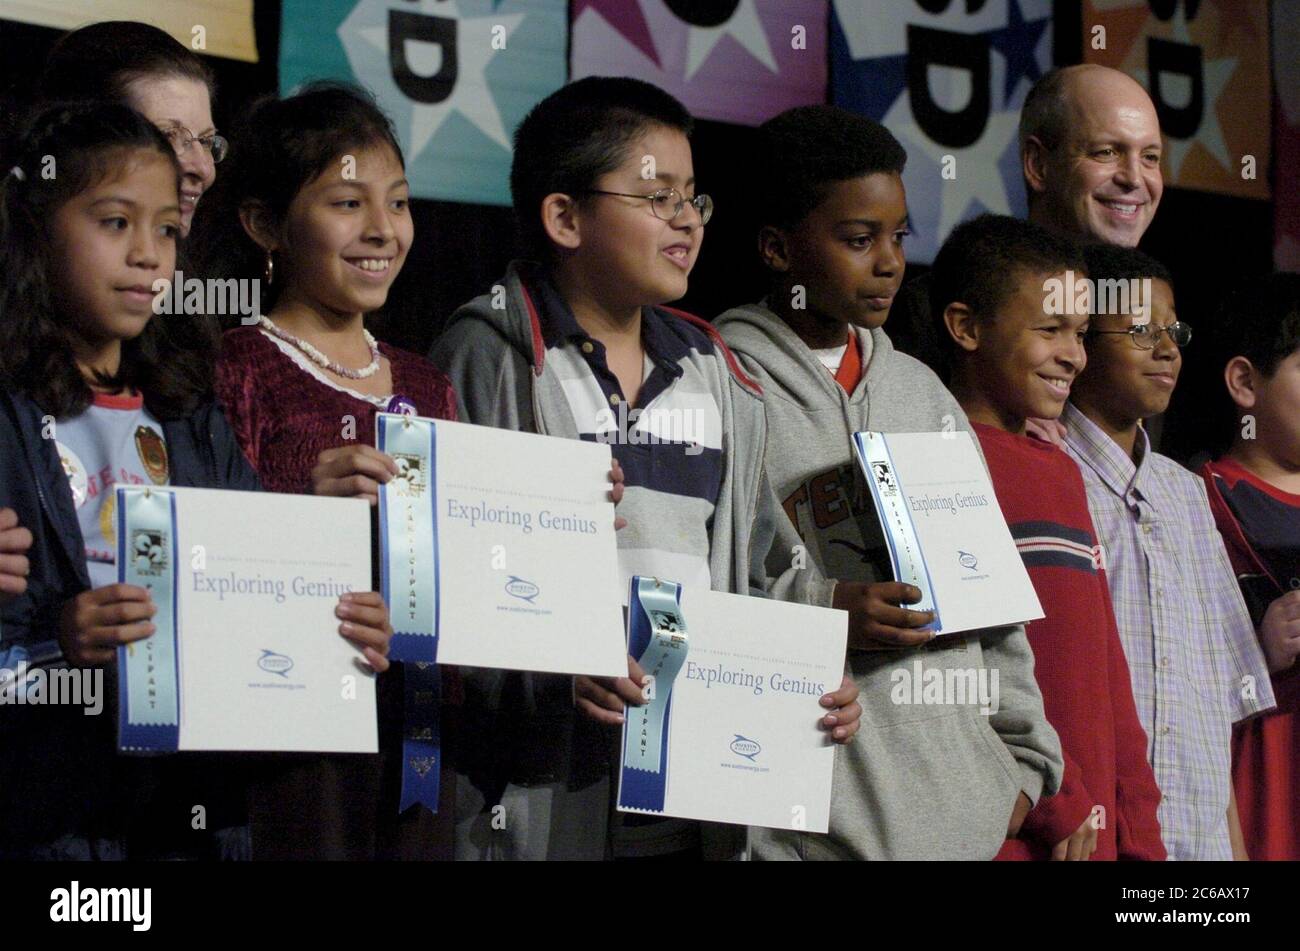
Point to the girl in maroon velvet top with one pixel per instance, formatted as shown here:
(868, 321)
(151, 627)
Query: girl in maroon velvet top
(316, 205)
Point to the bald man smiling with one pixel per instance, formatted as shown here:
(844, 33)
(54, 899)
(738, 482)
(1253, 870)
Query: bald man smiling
(1090, 154)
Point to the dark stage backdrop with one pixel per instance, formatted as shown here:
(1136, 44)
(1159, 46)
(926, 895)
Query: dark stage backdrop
(1210, 242)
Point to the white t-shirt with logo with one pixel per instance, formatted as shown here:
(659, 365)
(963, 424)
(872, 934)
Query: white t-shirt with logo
(116, 441)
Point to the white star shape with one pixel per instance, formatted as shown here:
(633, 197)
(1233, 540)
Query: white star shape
(470, 97)
(743, 25)
(970, 184)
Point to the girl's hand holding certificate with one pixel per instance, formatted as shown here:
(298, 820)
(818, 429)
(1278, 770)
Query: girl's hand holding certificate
(14, 540)
(94, 624)
(366, 624)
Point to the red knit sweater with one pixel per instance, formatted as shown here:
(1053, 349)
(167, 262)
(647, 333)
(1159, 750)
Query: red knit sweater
(285, 418)
(1078, 659)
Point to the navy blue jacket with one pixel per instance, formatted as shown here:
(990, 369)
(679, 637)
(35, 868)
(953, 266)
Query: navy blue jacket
(59, 770)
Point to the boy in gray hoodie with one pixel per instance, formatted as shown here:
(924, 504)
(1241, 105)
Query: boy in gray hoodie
(920, 782)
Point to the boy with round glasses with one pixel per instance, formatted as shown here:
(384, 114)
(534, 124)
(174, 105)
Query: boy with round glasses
(1194, 661)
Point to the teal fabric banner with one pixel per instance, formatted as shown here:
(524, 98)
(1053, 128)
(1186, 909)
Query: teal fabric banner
(455, 76)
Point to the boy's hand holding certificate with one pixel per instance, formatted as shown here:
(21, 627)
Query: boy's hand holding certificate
(498, 549)
(945, 530)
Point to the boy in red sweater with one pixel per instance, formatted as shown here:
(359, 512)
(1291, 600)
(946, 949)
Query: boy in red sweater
(1254, 493)
(1013, 357)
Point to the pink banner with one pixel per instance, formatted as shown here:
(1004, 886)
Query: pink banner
(735, 60)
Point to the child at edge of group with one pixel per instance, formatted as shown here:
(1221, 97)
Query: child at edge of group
(952, 784)
(1194, 661)
(575, 343)
(87, 361)
(1015, 355)
(315, 204)
(1254, 491)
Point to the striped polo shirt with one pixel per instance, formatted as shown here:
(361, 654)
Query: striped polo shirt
(669, 444)
(670, 447)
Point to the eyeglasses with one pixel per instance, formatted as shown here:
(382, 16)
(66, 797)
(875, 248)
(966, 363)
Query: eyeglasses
(1146, 336)
(182, 138)
(666, 203)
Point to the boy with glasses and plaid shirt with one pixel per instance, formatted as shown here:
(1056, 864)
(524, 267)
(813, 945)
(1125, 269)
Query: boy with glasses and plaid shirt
(1195, 663)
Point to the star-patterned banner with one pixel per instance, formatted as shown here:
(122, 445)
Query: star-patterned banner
(733, 60)
(1286, 134)
(1206, 65)
(950, 86)
(455, 76)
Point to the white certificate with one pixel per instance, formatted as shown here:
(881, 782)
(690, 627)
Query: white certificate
(945, 529)
(519, 530)
(735, 735)
(247, 654)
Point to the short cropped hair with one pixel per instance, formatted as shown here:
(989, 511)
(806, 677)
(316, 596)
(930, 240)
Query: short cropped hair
(1112, 262)
(102, 60)
(1043, 114)
(983, 259)
(577, 134)
(1261, 322)
(805, 150)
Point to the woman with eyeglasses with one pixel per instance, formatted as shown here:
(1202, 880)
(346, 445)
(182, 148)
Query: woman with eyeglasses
(142, 67)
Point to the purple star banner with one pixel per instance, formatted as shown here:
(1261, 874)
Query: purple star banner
(734, 60)
(950, 86)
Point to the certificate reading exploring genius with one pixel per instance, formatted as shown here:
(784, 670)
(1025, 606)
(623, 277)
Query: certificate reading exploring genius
(247, 654)
(497, 549)
(945, 530)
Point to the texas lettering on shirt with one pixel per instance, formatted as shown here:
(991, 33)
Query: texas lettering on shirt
(833, 510)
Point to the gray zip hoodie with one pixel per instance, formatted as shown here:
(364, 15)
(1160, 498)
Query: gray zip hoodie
(558, 760)
(919, 781)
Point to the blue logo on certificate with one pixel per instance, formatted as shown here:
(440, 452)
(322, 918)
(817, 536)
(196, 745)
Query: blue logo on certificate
(967, 560)
(743, 746)
(517, 587)
(274, 663)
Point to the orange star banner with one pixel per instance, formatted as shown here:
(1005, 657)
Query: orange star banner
(1206, 65)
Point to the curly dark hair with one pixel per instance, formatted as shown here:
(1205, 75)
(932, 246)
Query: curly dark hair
(806, 150)
(89, 142)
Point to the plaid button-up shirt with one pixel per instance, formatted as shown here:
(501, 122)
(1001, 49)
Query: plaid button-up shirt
(1193, 657)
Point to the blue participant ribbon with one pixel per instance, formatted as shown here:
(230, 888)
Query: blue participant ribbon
(408, 535)
(896, 520)
(657, 637)
(408, 570)
(422, 743)
(148, 673)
